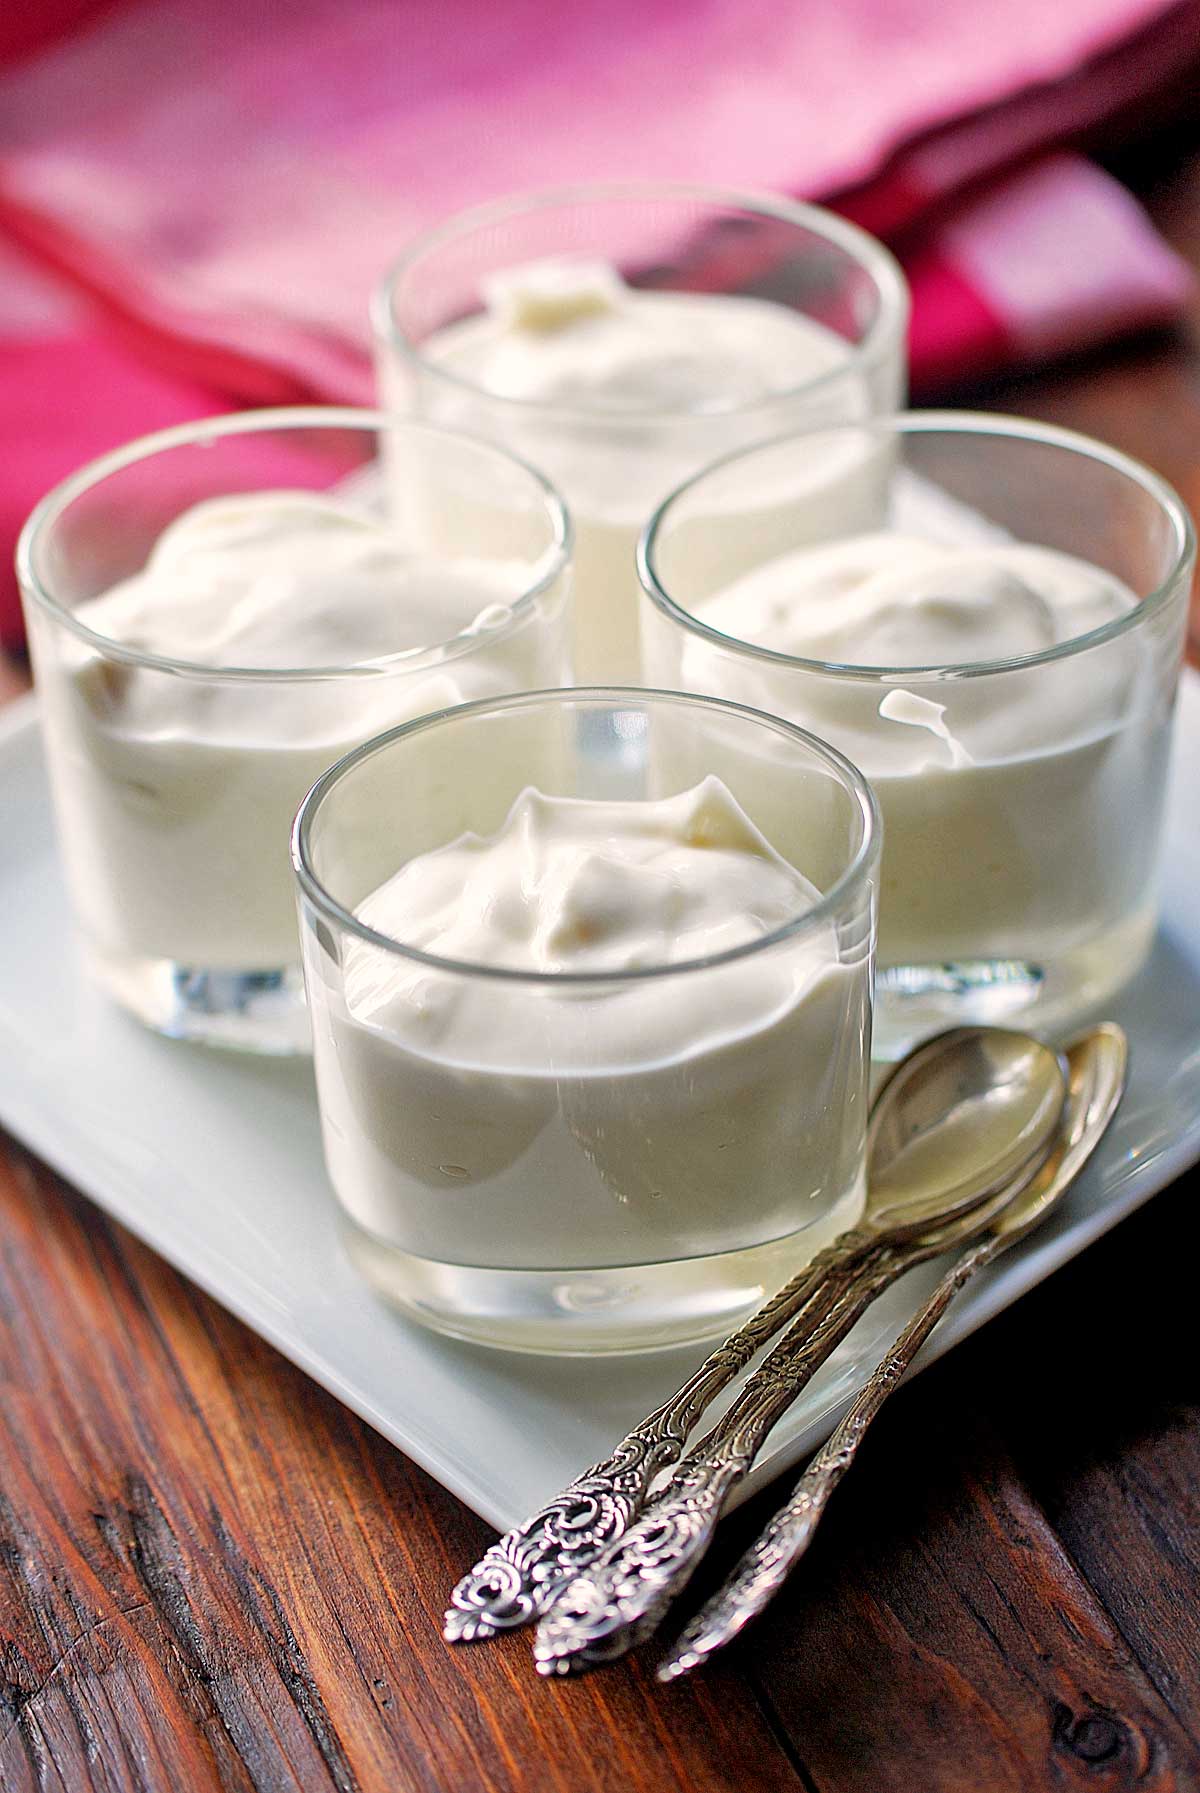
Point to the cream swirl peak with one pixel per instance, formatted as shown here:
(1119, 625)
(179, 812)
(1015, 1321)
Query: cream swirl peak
(574, 884)
(622, 392)
(571, 332)
(292, 579)
(181, 787)
(888, 599)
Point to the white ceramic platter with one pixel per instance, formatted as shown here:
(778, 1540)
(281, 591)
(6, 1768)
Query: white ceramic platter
(215, 1162)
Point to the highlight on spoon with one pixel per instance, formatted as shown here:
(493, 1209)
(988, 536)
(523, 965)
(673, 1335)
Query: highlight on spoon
(964, 1114)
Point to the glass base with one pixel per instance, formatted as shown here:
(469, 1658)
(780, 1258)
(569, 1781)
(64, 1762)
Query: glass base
(1049, 997)
(242, 1011)
(586, 1313)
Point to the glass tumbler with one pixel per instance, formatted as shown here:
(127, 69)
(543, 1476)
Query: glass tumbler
(615, 450)
(1022, 798)
(588, 1161)
(175, 782)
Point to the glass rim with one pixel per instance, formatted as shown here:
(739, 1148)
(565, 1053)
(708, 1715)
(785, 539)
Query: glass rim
(855, 872)
(859, 246)
(906, 423)
(51, 508)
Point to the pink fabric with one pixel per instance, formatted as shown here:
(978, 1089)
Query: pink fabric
(28, 25)
(223, 181)
(1060, 251)
(1049, 259)
(1122, 82)
(69, 390)
(233, 176)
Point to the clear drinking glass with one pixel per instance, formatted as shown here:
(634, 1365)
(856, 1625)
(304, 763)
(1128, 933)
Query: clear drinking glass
(610, 1161)
(1022, 799)
(175, 783)
(615, 455)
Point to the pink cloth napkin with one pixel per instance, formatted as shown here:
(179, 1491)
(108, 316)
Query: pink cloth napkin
(226, 180)
(70, 388)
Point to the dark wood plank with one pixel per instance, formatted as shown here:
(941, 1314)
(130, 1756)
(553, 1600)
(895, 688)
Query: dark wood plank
(1100, 1411)
(945, 1640)
(951, 1632)
(212, 1575)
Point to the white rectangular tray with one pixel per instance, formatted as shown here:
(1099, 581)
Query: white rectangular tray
(215, 1161)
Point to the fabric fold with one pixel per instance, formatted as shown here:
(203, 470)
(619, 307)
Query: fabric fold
(220, 185)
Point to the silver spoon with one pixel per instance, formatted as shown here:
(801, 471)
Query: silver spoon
(619, 1600)
(962, 1117)
(1096, 1071)
(620, 1597)
(1096, 1080)
(1097, 1063)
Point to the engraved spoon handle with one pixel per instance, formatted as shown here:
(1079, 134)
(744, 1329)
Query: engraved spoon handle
(519, 1575)
(811, 1294)
(618, 1600)
(764, 1568)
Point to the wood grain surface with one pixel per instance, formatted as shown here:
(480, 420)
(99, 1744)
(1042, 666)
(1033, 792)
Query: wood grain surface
(213, 1577)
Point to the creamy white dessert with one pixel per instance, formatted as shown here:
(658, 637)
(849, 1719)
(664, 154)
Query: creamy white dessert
(550, 1122)
(176, 789)
(1020, 807)
(620, 394)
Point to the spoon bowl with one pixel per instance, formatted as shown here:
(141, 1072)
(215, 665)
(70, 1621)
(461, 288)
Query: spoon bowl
(967, 1114)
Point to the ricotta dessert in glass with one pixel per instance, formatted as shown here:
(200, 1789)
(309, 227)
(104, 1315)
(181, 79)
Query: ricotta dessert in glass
(988, 620)
(621, 337)
(591, 1046)
(218, 613)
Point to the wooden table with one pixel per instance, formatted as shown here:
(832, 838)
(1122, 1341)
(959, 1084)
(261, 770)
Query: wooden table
(212, 1576)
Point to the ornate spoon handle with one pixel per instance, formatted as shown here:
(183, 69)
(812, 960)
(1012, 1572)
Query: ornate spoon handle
(775, 1552)
(520, 1575)
(612, 1605)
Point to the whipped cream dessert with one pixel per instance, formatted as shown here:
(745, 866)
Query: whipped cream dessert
(619, 393)
(176, 788)
(1020, 807)
(552, 1122)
